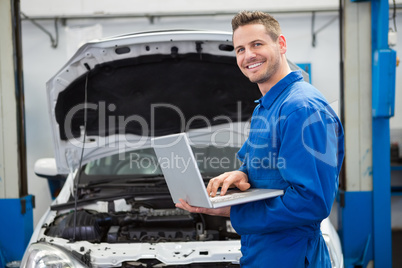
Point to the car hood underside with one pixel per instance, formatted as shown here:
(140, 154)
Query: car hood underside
(160, 91)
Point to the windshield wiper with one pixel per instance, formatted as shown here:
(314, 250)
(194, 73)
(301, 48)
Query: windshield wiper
(114, 180)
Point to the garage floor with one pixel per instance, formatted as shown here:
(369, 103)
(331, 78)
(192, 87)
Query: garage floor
(396, 248)
(396, 218)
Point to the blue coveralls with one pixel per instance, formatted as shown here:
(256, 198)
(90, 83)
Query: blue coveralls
(296, 143)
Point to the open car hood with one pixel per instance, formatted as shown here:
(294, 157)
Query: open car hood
(114, 94)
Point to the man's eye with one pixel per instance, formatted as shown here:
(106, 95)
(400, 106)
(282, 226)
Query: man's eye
(240, 50)
(257, 44)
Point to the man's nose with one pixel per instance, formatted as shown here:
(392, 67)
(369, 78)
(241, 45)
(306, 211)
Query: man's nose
(250, 54)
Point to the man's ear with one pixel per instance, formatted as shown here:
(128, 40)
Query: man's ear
(282, 44)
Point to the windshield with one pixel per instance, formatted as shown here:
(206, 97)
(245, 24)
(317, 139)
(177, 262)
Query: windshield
(211, 161)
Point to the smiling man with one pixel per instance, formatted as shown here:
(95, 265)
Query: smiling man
(258, 57)
(294, 124)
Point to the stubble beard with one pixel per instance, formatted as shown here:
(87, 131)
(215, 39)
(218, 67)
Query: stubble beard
(273, 67)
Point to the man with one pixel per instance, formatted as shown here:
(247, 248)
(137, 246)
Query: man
(295, 144)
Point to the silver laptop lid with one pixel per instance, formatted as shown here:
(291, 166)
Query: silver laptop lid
(180, 169)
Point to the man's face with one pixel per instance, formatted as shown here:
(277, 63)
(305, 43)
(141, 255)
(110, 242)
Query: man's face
(257, 55)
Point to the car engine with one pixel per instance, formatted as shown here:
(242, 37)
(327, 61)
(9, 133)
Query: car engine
(140, 225)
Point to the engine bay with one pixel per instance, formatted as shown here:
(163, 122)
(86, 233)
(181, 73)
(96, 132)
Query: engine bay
(140, 225)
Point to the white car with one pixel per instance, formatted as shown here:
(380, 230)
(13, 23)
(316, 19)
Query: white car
(106, 103)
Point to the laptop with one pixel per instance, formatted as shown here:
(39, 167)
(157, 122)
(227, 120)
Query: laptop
(184, 180)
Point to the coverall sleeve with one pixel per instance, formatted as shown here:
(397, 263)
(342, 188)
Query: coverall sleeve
(312, 148)
(241, 155)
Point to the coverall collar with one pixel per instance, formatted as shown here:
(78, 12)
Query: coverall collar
(269, 98)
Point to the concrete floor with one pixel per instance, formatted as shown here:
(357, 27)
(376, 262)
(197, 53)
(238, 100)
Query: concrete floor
(397, 248)
(396, 220)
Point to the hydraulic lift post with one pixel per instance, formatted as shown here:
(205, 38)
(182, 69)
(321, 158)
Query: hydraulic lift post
(369, 68)
(16, 205)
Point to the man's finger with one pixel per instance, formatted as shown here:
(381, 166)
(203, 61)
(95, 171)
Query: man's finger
(184, 205)
(215, 183)
(227, 183)
(236, 179)
(243, 185)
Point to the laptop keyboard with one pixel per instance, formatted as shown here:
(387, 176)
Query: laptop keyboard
(227, 197)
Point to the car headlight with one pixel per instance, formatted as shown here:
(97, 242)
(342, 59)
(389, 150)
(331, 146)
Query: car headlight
(46, 255)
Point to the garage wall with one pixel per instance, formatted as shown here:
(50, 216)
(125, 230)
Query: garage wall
(86, 7)
(41, 61)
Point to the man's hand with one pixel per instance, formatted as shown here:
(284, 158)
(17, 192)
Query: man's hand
(225, 211)
(226, 180)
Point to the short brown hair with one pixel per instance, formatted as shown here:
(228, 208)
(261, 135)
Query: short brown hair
(257, 17)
